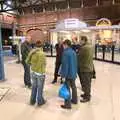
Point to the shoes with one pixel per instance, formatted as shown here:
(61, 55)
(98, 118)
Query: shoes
(61, 82)
(85, 100)
(82, 95)
(73, 102)
(54, 81)
(32, 102)
(40, 104)
(94, 76)
(65, 107)
(28, 86)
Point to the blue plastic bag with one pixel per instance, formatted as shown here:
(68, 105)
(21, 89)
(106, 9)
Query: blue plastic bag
(64, 92)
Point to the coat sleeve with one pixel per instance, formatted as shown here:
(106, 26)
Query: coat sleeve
(25, 51)
(28, 59)
(64, 66)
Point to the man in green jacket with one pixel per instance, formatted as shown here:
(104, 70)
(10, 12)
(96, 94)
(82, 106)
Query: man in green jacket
(85, 68)
(37, 60)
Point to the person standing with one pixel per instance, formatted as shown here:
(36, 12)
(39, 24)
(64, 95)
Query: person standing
(75, 45)
(37, 60)
(25, 49)
(85, 68)
(69, 72)
(59, 51)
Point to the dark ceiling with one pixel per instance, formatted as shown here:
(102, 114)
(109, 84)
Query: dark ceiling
(20, 6)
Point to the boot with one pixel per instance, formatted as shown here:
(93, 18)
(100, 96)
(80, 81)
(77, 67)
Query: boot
(54, 81)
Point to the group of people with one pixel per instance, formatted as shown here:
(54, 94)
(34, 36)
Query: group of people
(71, 60)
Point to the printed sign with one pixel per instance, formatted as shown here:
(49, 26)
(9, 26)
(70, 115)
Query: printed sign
(71, 23)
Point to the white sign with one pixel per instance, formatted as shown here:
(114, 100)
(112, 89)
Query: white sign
(16, 37)
(71, 23)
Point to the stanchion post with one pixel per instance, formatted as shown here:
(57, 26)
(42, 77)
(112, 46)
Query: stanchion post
(2, 74)
(96, 51)
(103, 48)
(113, 52)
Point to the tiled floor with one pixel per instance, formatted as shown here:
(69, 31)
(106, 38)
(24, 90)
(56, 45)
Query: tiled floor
(105, 103)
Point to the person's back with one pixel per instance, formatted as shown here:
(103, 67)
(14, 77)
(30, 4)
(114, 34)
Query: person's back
(37, 61)
(85, 58)
(25, 49)
(69, 72)
(85, 68)
(70, 63)
(59, 52)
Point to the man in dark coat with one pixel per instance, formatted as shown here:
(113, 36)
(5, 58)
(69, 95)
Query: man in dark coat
(85, 68)
(69, 72)
(75, 45)
(59, 51)
(25, 49)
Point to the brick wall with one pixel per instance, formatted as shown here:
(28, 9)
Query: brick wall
(88, 14)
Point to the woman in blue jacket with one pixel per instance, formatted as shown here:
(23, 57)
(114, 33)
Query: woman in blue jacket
(69, 72)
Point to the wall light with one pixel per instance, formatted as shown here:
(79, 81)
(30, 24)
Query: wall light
(86, 31)
(44, 32)
(9, 2)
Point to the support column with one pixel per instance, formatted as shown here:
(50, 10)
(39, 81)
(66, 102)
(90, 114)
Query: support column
(113, 2)
(2, 74)
(82, 3)
(14, 38)
(97, 3)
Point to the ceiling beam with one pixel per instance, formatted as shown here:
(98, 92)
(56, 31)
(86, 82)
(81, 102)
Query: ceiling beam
(42, 1)
(36, 2)
(11, 6)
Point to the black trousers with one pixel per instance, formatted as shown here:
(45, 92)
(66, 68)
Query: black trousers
(71, 87)
(57, 66)
(85, 80)
(27, 78)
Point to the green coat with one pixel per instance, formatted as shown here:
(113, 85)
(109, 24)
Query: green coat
(85, 58)
(37, 60)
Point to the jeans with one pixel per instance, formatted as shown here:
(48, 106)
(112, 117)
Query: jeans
(37, 88)
(27, 78)
(71, 84)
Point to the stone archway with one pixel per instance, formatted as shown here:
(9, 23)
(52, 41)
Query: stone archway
(37, 34)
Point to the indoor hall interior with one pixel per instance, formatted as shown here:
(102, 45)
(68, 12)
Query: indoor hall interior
(104, 105)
